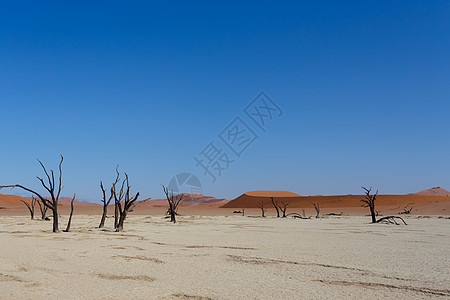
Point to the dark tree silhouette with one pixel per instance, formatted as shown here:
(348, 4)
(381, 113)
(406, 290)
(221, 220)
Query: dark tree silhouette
(263, 209)
(52, 187)
(43, 210)
(283, 207)
(317, 208)
(406, 211)
(71, 213)
(275, 204)
(369, 201)
(173, 202)
(30, 206)
(106, 202)
(124, 202)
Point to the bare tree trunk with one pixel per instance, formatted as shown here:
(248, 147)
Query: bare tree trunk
(43, 210)
(372, 213)
(173, 202)
(30, 207)
(283, 209)
(116, 215)
(172, 216)
(102, 221)
(122, 218)
(52, 187)
(317, 208)
(275, 204)
(369, 201)
(106, 202)
(55, 219)
(172, 213)
(263, 209)
(123, 204)
(71, 213)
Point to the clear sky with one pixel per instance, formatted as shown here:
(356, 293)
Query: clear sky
(364, 90)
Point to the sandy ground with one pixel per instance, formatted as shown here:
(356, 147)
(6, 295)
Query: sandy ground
(220, 257)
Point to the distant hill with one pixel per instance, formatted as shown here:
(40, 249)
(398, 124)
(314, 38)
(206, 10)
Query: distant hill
(67, 200)
(252, 199)
(190, 200)
(14, 200)
(436, 191)
(11, 200)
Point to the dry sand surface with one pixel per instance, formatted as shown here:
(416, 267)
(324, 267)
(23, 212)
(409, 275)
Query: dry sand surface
(220, 257)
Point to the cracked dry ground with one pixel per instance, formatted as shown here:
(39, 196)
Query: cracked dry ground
(218, 257)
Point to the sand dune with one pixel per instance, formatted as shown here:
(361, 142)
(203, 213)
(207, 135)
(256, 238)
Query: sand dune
(349, 203)
(190, 200)
(436, 191)
(422, 203)
(14, 200)
(278, 194)
(11, 200)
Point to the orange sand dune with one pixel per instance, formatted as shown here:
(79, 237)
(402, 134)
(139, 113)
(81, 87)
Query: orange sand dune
(189, 200)
(8, 200)
(13, 200)
(12, 205)
(397, 202)
(282, 194)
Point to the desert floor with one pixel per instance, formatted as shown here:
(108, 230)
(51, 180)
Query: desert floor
(220, 257)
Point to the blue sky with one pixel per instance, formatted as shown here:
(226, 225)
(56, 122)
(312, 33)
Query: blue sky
(364, 89)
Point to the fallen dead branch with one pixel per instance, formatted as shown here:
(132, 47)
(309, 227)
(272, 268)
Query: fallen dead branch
(391, 220)
(335, 214)
(297, 216)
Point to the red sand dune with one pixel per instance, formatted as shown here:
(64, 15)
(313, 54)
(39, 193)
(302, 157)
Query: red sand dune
(12, 205)
(427, 204)
(190, 200)
(281, 194)
(11, 200)
(14, 200)
(423, 203)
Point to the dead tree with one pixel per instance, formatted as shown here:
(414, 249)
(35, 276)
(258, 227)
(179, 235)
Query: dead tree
(71, 213)
(275, 204)
(52, 187)
(106, 202)
(43, 210)
(283, 207)
(369, 201)
(30, 206)
(317, 208)
(173, 202)
(123, 202)
(406, 211)
(263, 209)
